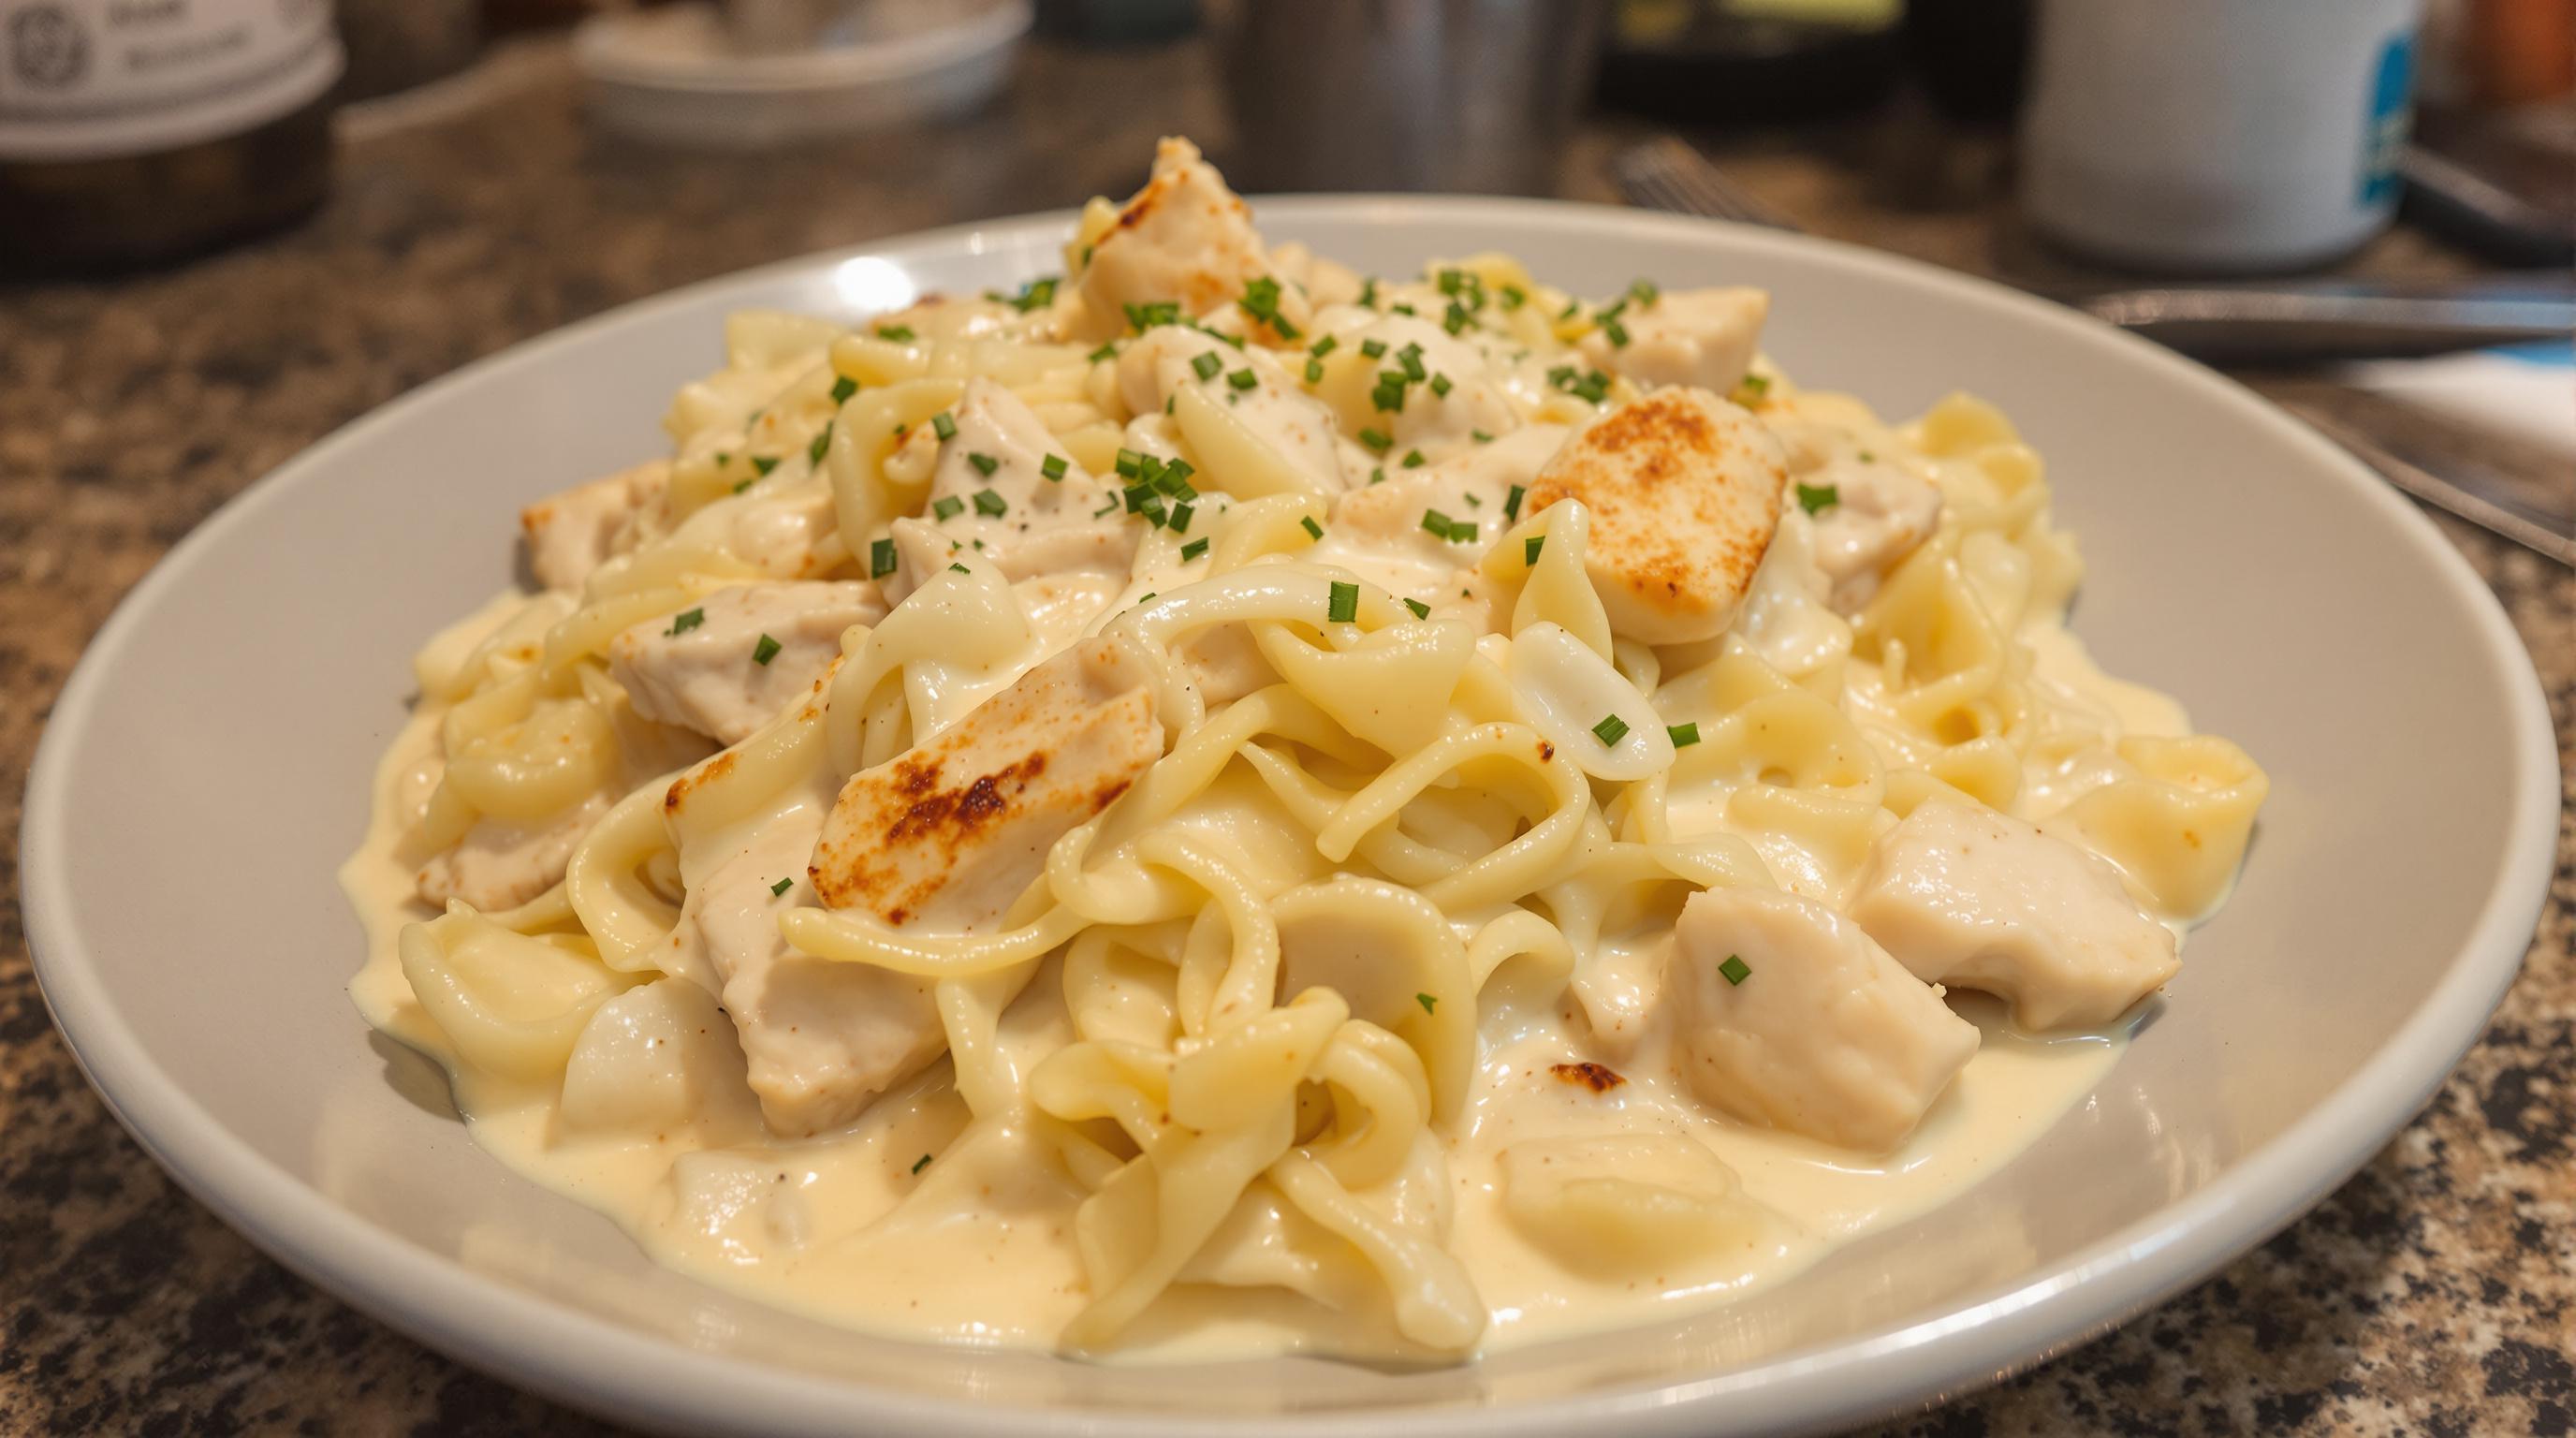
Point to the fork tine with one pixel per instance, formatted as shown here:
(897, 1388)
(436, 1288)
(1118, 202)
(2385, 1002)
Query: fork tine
(1668, 173)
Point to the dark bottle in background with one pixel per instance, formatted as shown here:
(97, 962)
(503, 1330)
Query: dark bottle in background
(138, 131)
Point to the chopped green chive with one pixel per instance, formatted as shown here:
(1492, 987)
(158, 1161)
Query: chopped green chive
(1107, 351)
(1735, 969)
(686, 620)
(1514, 297)
(1644, 292)
(1242, 379)
(1130, 463)
(1611, 729)
(1868, 458)
(962, 569)
(1110, 508)
(922, 1164)
(1440, 385)
(948, 506)
(1429, 1004)
(880, 558)
(1436, 522)
(766, 650)
(1312, 529)
(1420, 609)
(1052, 466)
(1344, 606)
(763, 464)
(1181, 516)
(987, 502)
(1402, 309)
(1261, 301)
(1411, 358)
(1145, 317)
(843, 388)
(1374, 349)
(1377, 474)
(782, 886)
(1683, 735)
(1323, 347)
(1193, 550)
(1474, 503)
(1530, 548)
(823, 441)
(1314, 371)
(1456, 319)
(1815, 498)
(1375, 440)
(943, 425)
(984, 464)
(1207, 365)
(1512, 502)
(897, 333)
(1413, 459)
(1138, 496)
(1617, 332)
(741, 486)
(1756, 385)
(1480, 437)
(1389, 393)
(1368, 292)
(1594, 386)
(1464, 531)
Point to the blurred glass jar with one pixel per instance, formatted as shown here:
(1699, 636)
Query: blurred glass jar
(1469, 96)
(2217, 135)
(136, 131)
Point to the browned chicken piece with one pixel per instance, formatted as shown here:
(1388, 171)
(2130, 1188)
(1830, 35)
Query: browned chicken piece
(1685, 491)
(947, 836)
(572, 533)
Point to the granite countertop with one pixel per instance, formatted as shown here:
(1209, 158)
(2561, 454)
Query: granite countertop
(2435, 1293)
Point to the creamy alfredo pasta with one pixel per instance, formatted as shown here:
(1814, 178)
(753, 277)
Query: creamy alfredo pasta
(1214, 803)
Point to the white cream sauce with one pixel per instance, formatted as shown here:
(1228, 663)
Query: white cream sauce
(976, 1247)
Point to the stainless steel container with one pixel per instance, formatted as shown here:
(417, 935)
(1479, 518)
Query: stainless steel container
(1459, 95)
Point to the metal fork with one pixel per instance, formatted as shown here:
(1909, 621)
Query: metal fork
(1668, 173)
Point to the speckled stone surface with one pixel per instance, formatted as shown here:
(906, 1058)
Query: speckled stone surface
(2433, 1294)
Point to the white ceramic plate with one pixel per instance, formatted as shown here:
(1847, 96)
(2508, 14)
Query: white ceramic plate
(207, 769)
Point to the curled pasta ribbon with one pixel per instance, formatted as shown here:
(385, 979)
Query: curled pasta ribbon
(1514, 869)
(850, 938)
(1229, 970)
(607, 890)
(1436, 1304)
(513, 1004)
(1208, 1123)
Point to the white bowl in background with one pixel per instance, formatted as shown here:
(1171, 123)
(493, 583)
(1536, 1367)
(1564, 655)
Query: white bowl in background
(207, 769)
(669, 75)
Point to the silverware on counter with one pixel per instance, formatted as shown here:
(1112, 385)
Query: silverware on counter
(2275, 323)
(2334, 320)
(2461, 486)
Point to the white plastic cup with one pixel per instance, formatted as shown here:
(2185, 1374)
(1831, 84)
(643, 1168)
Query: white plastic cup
(2217, 135)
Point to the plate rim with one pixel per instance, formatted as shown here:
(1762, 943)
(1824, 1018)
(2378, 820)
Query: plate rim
(591, 1363)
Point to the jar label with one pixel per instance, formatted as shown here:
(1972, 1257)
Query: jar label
(97, 79)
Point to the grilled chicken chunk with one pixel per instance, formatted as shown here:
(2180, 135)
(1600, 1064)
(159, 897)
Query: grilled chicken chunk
(754, 650)
(1184, 239)
(574, 532)
(1701, 339)
(1790, 1016)
(948, 835)
(1963, 895)
(1684, 490)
